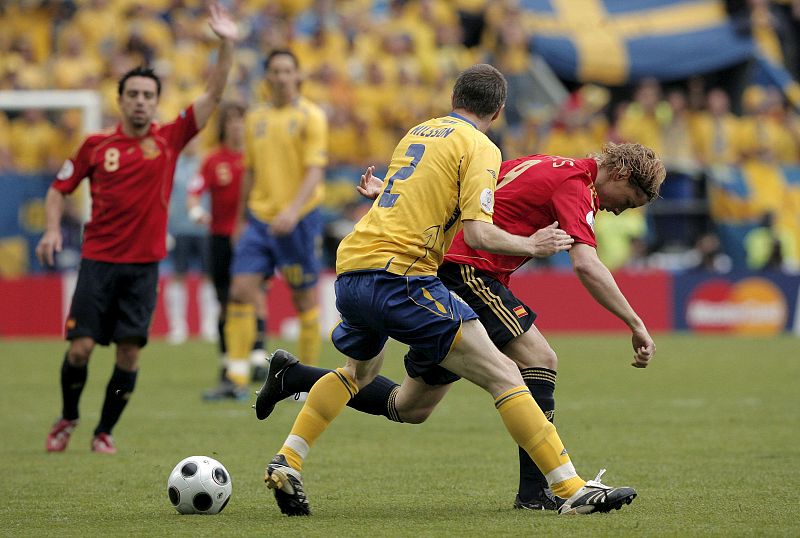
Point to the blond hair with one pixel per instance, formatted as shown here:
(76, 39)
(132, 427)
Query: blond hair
(645, 168)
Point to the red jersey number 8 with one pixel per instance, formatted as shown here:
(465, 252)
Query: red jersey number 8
(111, 162)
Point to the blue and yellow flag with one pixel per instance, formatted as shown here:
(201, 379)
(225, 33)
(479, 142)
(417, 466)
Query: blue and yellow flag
(614, 42)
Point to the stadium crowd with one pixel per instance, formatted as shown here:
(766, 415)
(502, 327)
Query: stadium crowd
(362, 57)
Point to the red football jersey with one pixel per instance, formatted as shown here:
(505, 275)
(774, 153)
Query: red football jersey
(532, 193)
(130, 180)
(221, 175)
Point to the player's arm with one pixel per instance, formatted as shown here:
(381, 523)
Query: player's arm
(51, 241)
(288, 217)
(194, 206)
(600, 283)
(315, 157)
(197, 213)
(482, 235)
(225, 28)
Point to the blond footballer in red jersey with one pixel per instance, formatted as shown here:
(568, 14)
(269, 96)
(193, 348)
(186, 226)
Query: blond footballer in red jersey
(130, 174)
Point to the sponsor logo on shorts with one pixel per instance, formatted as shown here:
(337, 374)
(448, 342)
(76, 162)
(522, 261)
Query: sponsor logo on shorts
(456, 297)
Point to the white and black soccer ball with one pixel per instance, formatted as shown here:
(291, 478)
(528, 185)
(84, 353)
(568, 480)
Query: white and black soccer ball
(199, 485)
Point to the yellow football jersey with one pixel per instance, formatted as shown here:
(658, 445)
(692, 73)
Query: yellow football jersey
(443, 171)
(280, 145)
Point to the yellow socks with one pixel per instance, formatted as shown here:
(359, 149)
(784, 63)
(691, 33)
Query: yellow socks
(325, 401)
(240, 333)
(530, 429)
(309, 344)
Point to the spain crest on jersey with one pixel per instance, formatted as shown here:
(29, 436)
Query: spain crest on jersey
(150, 149)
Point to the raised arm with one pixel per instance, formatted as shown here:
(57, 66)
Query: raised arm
(51, 241)
(225, 28)
(600, 283)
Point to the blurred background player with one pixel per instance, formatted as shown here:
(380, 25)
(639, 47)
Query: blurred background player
(221, 176)
(532, 192)
(189, 251)
(286, 141)
(130, 170)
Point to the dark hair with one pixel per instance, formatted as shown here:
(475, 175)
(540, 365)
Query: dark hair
(480, 89)
(280, 52)
(225, 110)
(140, 71)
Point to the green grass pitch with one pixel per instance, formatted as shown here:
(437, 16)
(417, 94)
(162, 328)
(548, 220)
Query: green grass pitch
(709, 436)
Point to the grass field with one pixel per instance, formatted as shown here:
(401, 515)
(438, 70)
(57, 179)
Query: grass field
(709, 435)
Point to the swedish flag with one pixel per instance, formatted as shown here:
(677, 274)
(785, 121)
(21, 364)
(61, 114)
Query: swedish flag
(614, 42)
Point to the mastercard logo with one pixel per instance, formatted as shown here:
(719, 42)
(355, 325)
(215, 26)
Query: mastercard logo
(749, 306)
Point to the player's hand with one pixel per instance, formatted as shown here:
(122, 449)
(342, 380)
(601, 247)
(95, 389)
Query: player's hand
(198, 215)
(221, 22)
(49, 244)
(643, 348)
(370, 186)
(550, 240)
(285, 222)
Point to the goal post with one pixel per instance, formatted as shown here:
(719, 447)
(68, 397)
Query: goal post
(89, 102)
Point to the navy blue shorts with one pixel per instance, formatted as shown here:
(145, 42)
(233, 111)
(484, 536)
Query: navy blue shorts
(190, 252)
(295, 255)
(415, 310)
(113, 302)
(503, 315)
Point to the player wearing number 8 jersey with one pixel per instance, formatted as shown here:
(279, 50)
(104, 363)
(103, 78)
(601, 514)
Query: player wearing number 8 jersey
(442, 176)
(130, 177)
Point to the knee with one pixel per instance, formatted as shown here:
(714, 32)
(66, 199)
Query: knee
(416, 415)
(128, 357)
(545, 358)
(304, 299)
(242, 292)
(550, 360)
(79, 352)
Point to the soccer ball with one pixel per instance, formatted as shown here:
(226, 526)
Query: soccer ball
(199, 485)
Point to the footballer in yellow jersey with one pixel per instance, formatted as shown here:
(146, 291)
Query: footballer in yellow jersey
(282, 143)
(285, 154)
(444, 170)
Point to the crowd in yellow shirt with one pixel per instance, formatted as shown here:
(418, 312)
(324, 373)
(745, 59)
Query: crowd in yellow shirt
(376, 68)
